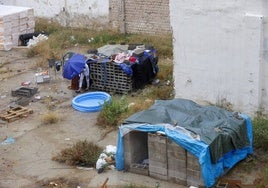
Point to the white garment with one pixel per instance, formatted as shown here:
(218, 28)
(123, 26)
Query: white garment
(84, 73)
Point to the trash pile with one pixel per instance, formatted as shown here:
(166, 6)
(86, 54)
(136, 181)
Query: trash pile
(106, 159)
(31, 39)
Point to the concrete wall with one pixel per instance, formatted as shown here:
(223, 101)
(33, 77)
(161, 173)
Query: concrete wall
(220, 52)
(127, 16)
(74, 13)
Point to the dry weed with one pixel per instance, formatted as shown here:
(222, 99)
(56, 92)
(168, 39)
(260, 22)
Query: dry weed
(83, 153)
(50, 118)
(59, 183)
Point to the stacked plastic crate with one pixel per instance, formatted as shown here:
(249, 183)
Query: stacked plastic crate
(14, 21)
(109, 77)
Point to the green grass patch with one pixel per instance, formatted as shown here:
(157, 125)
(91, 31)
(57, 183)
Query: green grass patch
(260, 133)
(62, 38)
(112, 112)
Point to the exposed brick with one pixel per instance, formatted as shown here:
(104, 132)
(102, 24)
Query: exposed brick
(151, 16)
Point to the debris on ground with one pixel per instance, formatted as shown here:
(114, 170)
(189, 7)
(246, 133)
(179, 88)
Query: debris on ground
(24, 91)
(15, 113)
(104, 184)
(8, 140)
(35, 40)
(232, 183)
(106, 159)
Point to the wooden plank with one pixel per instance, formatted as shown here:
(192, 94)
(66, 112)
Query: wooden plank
(15, 113)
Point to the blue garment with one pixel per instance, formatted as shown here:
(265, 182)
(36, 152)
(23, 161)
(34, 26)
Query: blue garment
(127, 69)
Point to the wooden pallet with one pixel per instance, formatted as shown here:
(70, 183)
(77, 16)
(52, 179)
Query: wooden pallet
(15, 113)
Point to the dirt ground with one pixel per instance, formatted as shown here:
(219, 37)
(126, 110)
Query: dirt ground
(27, 162)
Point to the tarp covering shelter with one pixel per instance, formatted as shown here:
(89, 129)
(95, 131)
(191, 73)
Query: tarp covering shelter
(216, 137)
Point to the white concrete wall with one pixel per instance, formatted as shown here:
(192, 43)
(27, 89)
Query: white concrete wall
(264, 101)
(68, 12)
(219, 52)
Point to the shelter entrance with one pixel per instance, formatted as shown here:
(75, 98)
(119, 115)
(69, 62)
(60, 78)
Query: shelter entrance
(157, 156)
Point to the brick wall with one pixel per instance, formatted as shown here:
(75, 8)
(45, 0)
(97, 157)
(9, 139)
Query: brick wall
(139, 16)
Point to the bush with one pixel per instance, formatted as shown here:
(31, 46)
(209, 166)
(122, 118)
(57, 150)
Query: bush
(82, 153)
(60, 182)
(260, 133)
(112, 112)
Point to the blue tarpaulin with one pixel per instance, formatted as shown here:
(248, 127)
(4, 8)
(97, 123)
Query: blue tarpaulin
(181, 111)
(73, 66)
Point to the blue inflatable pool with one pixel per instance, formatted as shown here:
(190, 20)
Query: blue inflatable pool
(90, 102)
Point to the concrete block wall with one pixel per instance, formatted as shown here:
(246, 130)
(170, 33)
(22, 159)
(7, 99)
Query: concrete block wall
(176, 163)
(14, 21)
(157, 148)
(193, 171)
(167, 160)
(138, 16)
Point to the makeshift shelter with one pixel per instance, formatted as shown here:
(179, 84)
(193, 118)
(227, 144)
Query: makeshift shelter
(216, 138)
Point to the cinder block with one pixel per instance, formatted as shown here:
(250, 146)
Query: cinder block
(139, 169)
(192, 162)
(176, 163)
(157, 150)
(158, 165)
(194, 174)
(167, 160)
(157, 176)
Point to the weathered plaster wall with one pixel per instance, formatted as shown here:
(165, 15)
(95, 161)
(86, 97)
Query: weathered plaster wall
(127, 16)
(75, 13)
(219, 50)
(264, 99)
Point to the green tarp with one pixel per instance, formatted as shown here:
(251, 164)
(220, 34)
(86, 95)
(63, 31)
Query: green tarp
(222, 130)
